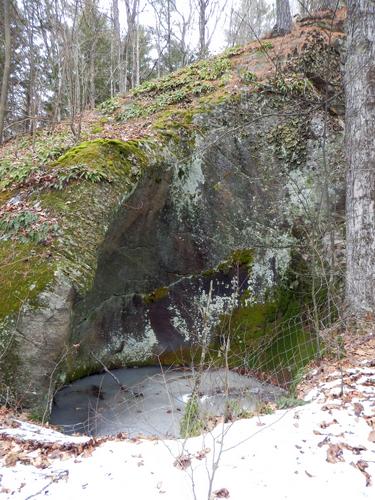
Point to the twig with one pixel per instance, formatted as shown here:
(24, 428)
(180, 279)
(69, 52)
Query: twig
(61, 475)
(123, 387)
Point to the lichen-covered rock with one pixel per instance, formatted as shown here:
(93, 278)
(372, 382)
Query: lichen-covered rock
(203, 235)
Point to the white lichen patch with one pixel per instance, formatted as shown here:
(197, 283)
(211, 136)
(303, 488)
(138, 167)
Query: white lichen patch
(140, 349)
(206, 310)
(267, 271)
(6, 335)
(179, 323)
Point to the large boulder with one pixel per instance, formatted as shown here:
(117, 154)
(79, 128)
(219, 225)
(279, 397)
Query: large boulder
(159, 240)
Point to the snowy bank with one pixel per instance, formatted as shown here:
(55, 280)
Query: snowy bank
(324, 449)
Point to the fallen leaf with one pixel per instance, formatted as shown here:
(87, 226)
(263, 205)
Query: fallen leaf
(334, 454)
(41, 462)
(371, 436)
(200, 455)
(358, 409)
(324, 425)
(355, 449)
(222, 493)
(182, 462)
(362, 466)
(14, 456)
(324, 442)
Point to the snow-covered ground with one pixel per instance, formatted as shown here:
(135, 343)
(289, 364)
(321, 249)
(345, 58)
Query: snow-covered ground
(322, 450)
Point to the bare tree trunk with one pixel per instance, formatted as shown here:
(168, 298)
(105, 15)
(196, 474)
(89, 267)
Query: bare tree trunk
(30, 109)
(203, 4)
(169, 36)
(131, 15)
(360, 134)
(92, 92)
(158, 29)
(7, 55)
(119, 67)
(137, 55)
(283, 18)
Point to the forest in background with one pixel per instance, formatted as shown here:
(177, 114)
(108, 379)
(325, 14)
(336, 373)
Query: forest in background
(60, 57)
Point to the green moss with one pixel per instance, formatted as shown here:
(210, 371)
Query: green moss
(176, 128)
(84, 212)
(240, 257)
(174, 119)
(25, 270)
(109, 155)
(156, 295)
(269, 337)
(84, 209)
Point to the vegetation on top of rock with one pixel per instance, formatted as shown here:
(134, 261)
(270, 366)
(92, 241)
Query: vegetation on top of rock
(208, 69)
(181, 86)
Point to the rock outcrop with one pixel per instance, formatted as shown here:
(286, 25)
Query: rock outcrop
(155, 242)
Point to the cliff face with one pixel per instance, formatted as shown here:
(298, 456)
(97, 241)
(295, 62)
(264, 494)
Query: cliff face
(189, 202)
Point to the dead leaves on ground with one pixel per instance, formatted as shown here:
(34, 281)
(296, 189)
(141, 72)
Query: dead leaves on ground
(324, 425)
(38, 454)
(362, 466)
(12, 453)
(335, 453)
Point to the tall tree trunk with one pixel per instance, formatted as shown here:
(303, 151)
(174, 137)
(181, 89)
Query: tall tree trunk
(92, 91)
(137, 55)
(6, 74)
(31, 111)
(202, 28)
(360, 134)
(131, 7)
(119, 67)
(283, 18)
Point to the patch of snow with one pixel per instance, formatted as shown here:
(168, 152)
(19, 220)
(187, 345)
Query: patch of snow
(320, 450)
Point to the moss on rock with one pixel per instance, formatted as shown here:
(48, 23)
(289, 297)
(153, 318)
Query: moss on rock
(110, 155)
(25, 270)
